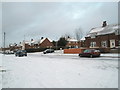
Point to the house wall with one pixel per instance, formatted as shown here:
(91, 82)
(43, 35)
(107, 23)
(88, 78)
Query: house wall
(101, 38)
(27, 46)
(72, 44)
(15, 47)
(82, 44)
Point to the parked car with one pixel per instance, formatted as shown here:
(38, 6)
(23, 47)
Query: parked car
(90, 53)
(7, 52)
(15, 50)
(48, 51)
(20, 53)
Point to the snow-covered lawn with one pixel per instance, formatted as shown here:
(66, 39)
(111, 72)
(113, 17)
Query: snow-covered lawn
(57, 70)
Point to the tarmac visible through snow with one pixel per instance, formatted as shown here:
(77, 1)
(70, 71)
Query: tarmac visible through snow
(57, 70)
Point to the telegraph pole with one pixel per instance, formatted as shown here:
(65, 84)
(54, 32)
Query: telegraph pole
(4, 42)
(23, 46)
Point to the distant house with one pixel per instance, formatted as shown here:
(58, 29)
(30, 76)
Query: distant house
(103, 37)
(72, 43)
(42, 43)
(82, 43)
(14, 46)
(46, 43)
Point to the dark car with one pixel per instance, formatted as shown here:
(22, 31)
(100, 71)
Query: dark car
(48, 51)
(20, 53)
(90, 53)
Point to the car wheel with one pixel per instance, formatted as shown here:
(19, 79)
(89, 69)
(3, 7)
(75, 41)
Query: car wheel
(91, 56)
(80, 55)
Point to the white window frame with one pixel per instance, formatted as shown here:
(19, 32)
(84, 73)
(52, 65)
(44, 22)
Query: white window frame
(93, 44)
(104, 43)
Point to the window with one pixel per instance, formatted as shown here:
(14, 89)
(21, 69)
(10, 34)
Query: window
(32, 44)
(112, 44)
(76, 46)
(117, 32)
(86, 51)
(119, 42)
(93, 36)
(104, 43)
(93, 44)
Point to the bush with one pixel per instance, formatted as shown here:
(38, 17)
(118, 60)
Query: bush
(35, 50)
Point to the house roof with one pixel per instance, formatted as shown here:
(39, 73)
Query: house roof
(72, 40)
(82, 39)
(27, 42)
(44, 39)
(37, 41)
(103, 30)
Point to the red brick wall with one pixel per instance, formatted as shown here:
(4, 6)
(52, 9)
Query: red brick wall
(27, 46)
(100, 38)
(73, 51)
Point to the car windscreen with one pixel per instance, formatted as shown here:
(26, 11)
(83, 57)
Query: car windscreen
(87, 51)
(23, 51)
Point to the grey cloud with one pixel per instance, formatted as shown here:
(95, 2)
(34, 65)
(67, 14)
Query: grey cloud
(53, 19)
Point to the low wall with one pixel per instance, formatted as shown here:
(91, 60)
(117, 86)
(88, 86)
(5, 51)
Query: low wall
(115, 50)
(73, 51)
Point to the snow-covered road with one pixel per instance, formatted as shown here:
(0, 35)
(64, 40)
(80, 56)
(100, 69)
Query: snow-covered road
(59, 71)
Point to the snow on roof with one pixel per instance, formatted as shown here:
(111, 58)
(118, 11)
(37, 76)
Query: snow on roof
(72, 40)
(49, 39)
(27, 42)
(44, 39)
(95, 30)
(37, 41)
(82, 39)
(103, 30)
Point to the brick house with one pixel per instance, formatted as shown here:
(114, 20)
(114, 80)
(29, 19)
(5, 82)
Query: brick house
(72, 43)
(42, 43)
(14, 46)
(46, 43)
(105, 38)
(82, 43)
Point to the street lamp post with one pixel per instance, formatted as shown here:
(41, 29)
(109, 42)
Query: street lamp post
(4, 42)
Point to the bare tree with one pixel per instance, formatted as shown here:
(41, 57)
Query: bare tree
(78, 34)
(67, 35)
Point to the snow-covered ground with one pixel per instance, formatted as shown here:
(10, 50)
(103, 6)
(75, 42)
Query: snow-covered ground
(57, 70)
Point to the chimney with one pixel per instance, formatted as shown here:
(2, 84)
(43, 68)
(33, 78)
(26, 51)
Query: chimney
(31, 39)
(42, 38)
(104, 24)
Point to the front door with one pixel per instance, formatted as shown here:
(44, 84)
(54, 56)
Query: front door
(112, 43)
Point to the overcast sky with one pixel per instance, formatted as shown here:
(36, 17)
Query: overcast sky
(52, 20)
